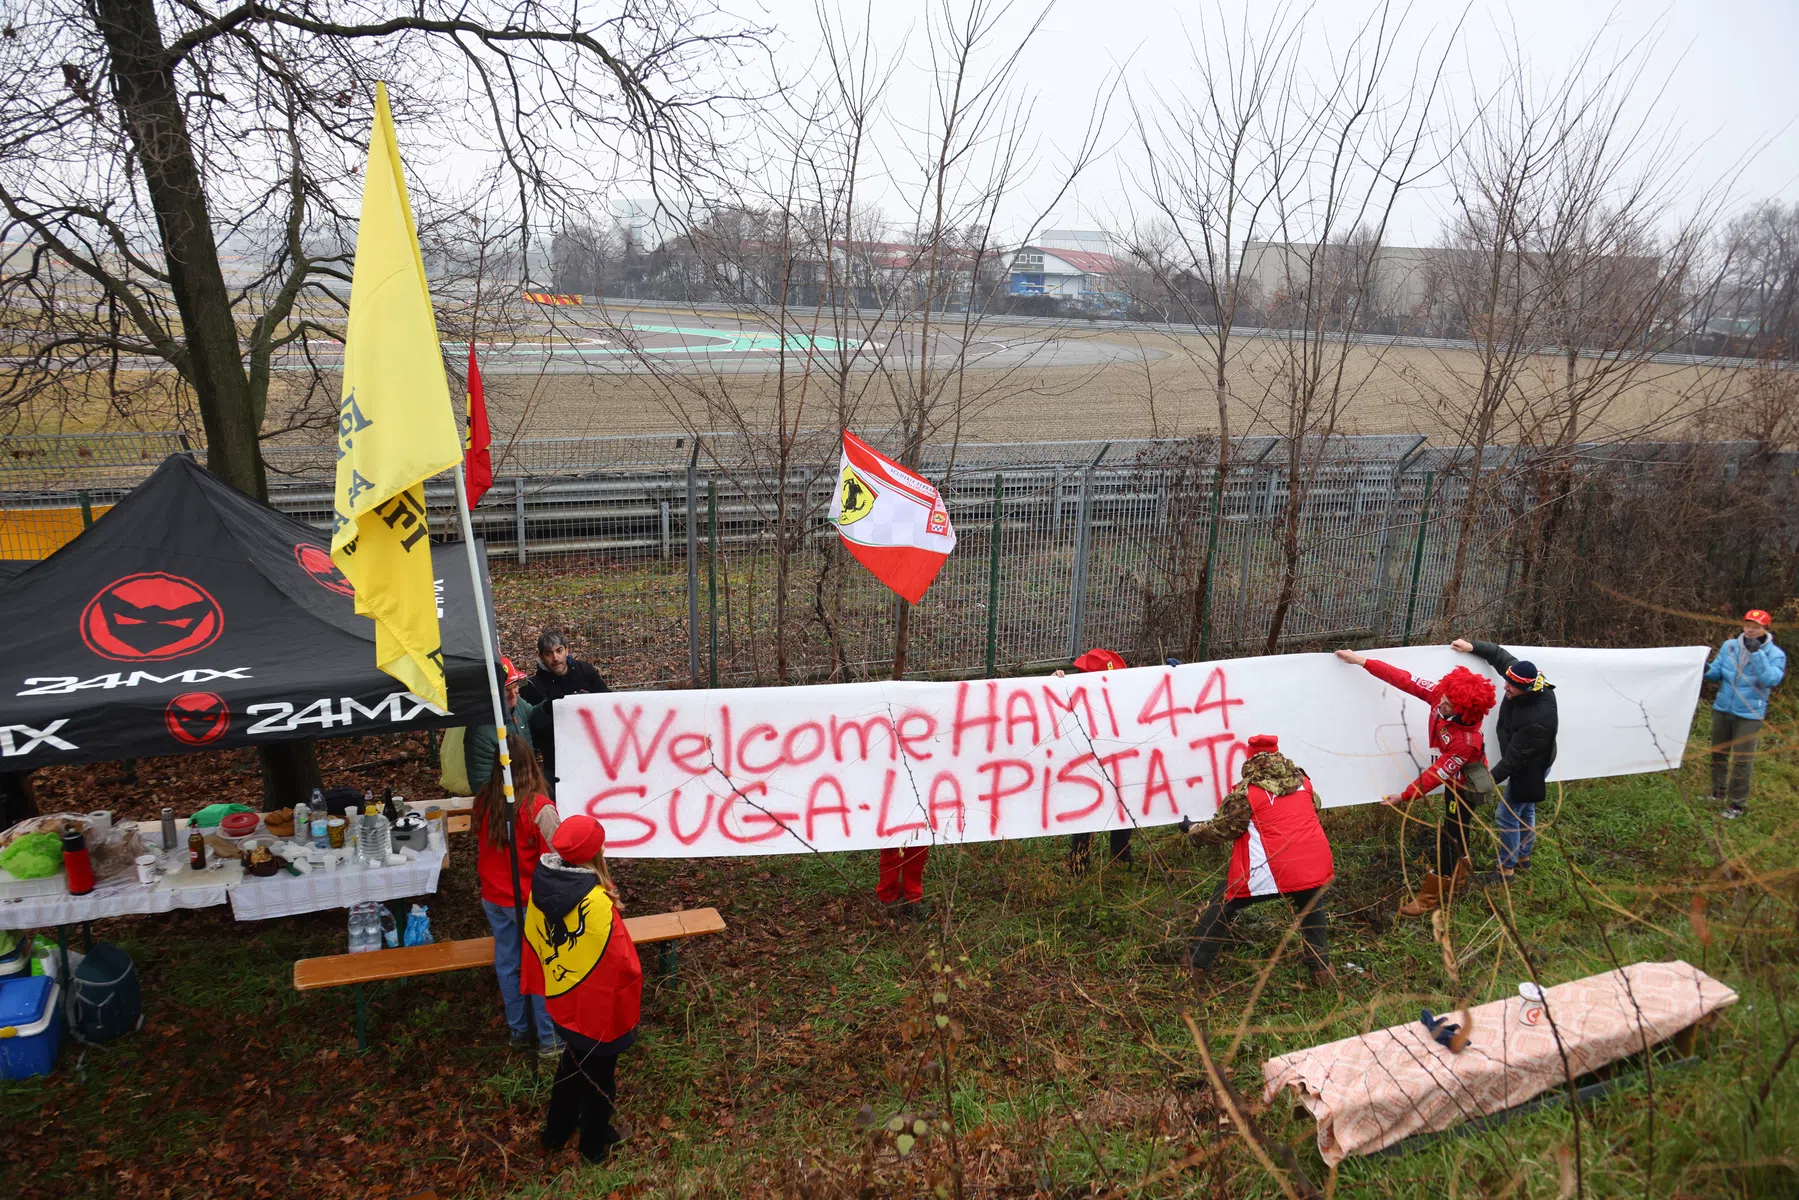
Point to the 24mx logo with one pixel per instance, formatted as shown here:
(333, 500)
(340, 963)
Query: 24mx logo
(12, 747)
(289, 717)
(62, 685)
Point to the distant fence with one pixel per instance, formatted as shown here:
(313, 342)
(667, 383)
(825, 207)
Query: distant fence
(664, 557)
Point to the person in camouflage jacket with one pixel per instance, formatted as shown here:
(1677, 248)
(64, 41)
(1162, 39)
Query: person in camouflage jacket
(1279, 849)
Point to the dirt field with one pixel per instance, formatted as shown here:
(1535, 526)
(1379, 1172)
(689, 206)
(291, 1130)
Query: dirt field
(1165, 392)
(1160, 387)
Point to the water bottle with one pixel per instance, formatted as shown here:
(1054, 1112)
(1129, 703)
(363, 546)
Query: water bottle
(390, 931)
(355, 929)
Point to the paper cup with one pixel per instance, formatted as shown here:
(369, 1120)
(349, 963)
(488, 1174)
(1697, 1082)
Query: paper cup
(1531, 1011)
(146, 868)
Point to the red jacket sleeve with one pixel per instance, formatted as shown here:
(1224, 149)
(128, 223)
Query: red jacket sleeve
(1447, 767)
(1392, 676)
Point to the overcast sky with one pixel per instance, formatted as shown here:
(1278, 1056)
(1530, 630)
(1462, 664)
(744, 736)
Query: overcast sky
(1728, 71)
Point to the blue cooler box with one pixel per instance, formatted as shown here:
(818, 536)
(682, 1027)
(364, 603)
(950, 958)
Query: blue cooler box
(30, 1026)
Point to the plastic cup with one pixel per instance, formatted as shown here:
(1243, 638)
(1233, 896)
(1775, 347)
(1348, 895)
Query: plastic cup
(146, 868)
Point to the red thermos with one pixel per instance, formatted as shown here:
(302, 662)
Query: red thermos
(75, 862)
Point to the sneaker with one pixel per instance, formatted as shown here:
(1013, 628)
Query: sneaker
(1734, 809)
(549, 1050)
(518, 1041)
(1492, 878)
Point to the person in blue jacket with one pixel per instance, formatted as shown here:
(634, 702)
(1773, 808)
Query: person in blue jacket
(1746, 670)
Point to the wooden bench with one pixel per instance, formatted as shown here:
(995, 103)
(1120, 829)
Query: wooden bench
(663, 930)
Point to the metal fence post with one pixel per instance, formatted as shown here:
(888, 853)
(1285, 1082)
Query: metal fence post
(999, 502)
(665, 539)
(1411, 604)
(1377, 609)
(712, 575)
(691, 520)
(1205, 599)
(518, 513)
(1077, 604)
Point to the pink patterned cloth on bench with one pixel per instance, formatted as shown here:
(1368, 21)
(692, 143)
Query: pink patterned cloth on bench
(1371, 1091)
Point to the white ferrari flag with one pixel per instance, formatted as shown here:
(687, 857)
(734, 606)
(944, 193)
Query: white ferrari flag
(891, 519)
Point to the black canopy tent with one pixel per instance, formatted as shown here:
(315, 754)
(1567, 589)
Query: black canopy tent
(190, 617)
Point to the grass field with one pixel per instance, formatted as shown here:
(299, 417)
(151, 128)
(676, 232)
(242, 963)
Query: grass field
(774, 1062)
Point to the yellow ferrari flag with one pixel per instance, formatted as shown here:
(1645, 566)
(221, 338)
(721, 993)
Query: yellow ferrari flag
(394, 428)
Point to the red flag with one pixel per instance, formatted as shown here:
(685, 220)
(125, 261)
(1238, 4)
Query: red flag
(477, 464)
(891, 519)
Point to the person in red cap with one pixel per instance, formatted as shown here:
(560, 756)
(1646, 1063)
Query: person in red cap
(1080, 845)
(481, 745)
(585, 965)
(1459, 703)
(1281, 850)
(1747, 669)
(494, 867)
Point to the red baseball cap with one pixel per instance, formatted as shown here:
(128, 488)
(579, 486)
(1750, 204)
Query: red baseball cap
(1760, 617)
(1099, 660)
(579, 839)
(1264, 743)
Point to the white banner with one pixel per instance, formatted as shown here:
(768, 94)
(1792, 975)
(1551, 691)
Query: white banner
(863, 765)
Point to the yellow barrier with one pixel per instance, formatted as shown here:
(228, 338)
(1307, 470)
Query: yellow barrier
(40, 532)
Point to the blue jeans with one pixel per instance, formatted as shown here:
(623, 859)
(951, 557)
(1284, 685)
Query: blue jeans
(1517, 830)
(504, 923)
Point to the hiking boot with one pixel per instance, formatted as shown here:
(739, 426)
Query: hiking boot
(1197, 977)
(1324, 977)
(1428, 899)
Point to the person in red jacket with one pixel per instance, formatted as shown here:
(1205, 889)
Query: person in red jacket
(585, 966)
(1459, 703)
(1281, 850)
(537, 820)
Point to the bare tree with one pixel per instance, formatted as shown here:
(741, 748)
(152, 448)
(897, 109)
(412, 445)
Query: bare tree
(143, 144)
(1215, 159)
(1567, 246)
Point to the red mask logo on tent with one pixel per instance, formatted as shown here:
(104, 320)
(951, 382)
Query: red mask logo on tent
(149, 617)
(196, 718)
(324, 572)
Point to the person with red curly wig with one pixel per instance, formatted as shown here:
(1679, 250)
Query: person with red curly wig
(1459, 703)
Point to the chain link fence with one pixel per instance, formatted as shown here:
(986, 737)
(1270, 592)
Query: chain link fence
(677, 560)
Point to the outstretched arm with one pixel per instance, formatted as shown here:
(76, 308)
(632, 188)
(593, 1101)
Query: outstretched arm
(1497, 656)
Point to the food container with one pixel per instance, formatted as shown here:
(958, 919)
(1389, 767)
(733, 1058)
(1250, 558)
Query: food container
(263, 868)
(30, 1026)
(17, 961)
(1531, 1011)
(280, 822)
(411, 830)
(240, 825)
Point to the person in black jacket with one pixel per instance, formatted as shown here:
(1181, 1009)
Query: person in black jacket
(1527, 728)
(558, 675)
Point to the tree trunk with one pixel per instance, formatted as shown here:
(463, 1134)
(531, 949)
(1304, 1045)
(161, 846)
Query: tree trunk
(144, 85)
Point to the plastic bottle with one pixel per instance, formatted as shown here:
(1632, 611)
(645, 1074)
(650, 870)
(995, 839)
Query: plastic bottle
(302, 822)
(390, 930)
(75, 861)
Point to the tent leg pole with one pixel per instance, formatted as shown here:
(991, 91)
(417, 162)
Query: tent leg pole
(362, 1036)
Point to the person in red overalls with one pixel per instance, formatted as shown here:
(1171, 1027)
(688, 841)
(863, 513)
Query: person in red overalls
(901, 885)
(1080, 852)
(1459, 703)
(1281, 850)
(585, 965)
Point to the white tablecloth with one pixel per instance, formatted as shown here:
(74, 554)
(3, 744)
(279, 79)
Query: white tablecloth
(251, 898)
(122, 899)
(283, 895)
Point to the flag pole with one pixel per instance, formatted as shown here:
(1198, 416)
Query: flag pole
(499, 721)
